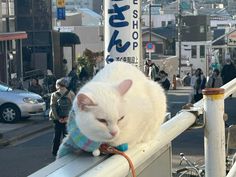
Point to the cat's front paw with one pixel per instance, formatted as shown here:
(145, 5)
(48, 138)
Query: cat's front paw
(96, 152)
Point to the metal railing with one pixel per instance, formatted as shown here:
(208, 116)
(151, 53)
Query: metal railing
(212, 106)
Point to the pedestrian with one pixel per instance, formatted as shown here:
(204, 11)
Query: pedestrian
(64, 68)
(164, 81)
(73, 81)
(83, 75)
(49, 82)
(178, 81)
(151, 70)
(187, 79)
(215, 80)
(60, 105)
(228, 71)
(35, 87)
(198, 85)
(192, 83)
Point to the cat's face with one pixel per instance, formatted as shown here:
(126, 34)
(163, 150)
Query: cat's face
(99, 125)
(103, 119)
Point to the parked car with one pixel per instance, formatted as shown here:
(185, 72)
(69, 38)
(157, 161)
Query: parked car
(16, 104)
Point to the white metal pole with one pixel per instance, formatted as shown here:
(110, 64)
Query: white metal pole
(232, 172)
(214, 139)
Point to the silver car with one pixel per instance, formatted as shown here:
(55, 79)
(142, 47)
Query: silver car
(15, 104)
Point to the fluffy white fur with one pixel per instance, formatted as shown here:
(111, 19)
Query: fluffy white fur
(120, 105)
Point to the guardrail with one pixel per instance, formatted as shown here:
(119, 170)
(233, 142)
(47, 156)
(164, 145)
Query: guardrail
(144, 155)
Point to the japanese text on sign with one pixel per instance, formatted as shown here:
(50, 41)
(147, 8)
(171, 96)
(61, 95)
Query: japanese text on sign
(123, 25)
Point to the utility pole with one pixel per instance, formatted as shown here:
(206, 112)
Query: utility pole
(150, 23)
(150, 27)
(7, 16)
(179, 33)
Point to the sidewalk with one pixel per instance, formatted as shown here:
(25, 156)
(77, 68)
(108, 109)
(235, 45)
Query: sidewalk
(10, 133)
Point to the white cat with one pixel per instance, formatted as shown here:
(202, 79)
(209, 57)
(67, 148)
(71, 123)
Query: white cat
(120, 105)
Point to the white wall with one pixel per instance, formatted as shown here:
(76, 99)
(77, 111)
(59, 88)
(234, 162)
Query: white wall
(197, 62)
(222, 23)
(89, 38)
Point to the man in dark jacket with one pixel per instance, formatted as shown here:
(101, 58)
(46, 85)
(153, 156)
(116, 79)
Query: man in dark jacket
(73, 80)
(228, 71)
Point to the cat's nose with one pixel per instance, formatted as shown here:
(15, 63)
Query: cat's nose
(113, 133)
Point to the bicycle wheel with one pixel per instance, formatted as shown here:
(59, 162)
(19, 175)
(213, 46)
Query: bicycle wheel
(188, 172)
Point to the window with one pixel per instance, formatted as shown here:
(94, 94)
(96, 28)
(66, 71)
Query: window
(202, 51)
(169, 22)
(163, 23)
(194, 51)
(202, 29)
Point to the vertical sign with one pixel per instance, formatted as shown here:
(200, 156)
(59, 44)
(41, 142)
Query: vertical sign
(61, 11)
(122, 31)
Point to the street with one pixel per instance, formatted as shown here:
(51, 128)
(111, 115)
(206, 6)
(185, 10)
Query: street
(24, 158)
(28, 155)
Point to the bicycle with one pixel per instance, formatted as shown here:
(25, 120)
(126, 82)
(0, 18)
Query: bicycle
(191, 169)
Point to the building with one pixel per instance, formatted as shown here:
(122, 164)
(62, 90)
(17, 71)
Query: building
(73, 5)
(159, 20)
(194, 48)
(86, 24)
(1, 26)
(232, 7)
(34, 17)
(11, 61)
(163, 39)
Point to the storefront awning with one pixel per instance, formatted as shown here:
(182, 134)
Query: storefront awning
(68, 39)
(12, 36)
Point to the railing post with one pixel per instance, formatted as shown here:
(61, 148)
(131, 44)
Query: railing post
(214, 133)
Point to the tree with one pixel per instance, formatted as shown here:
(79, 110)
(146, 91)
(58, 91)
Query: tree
(88, 61)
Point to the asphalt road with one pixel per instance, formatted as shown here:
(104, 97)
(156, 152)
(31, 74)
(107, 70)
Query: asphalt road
(27, 156)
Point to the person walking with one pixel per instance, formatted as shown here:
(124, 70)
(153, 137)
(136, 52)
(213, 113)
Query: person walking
(60, 105)
(73, 79)
(164, 81)
(215, 80)
(228, 71)
(151, 70)
(49, 82)
(199, 85)
(187, 80)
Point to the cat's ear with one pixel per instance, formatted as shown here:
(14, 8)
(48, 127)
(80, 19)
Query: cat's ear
(83, 101)
(124, 86)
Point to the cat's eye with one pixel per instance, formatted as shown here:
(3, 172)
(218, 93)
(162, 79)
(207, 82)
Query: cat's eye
(121, 118)
(102, 121)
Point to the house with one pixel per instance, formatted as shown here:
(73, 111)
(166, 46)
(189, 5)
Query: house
(195, 38)
(163, 39)
(86, 24)
(11, 61)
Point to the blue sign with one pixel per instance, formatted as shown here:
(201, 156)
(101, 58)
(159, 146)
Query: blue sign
(149, 45)
(61, 13)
